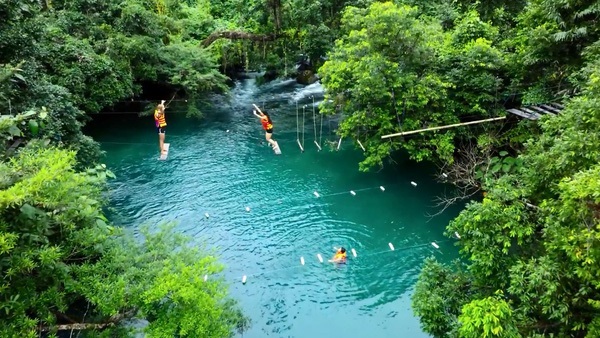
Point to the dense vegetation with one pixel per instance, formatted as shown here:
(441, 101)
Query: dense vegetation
(530, 247)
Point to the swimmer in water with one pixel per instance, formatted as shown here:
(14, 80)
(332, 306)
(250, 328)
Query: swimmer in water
(340, 256)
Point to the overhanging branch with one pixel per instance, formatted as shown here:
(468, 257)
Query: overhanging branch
(90, 326)
(239, 35)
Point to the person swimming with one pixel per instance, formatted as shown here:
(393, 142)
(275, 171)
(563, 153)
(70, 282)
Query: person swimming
(340, 256)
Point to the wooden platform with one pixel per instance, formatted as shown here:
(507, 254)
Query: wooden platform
(277, 150)
(537, 111)
(164, 156)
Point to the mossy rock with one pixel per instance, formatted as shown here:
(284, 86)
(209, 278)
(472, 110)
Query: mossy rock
(307, 77)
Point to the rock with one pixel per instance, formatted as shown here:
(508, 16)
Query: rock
(270, 75)
(306, 77)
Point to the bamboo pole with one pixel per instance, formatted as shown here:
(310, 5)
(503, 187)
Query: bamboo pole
(443, 127)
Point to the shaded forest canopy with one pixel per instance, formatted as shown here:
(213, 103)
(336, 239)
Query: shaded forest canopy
(530, 247)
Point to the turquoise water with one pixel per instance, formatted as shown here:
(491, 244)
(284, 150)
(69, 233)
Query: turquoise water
(219, 166)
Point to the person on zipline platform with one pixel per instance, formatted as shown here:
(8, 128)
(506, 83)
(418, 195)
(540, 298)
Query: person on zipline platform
(267, 126)
(161, 124)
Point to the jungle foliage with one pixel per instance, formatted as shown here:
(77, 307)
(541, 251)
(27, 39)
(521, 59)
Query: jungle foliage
(408, 65)
(531, 247)
(64, 268)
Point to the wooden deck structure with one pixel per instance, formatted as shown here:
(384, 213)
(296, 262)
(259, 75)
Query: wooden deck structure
(535, 112)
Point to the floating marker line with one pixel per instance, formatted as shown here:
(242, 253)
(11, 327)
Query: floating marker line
(303, 195)
(353, 252)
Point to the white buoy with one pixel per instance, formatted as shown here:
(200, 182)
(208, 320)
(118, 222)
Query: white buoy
(382, 188)
(391, 246)
(445, 175)
(316, 194)
(244, 279)
(320, 258)
(185, 100)
(352, 192)
(227, 130)
(247, 208)
(206, 214)
(205, 278)
(457, 235)
(435, 245)
(354, 252)
(413, 184)
(302, 260)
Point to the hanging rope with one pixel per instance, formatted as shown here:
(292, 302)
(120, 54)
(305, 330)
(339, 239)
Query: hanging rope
(298, 128)
(321, 132)
(315, 124)
(303, 117)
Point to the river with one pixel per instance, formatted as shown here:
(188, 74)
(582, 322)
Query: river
(264, 216)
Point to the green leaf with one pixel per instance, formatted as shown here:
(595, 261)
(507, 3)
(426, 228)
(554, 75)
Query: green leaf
(496, 168)
(14, 131)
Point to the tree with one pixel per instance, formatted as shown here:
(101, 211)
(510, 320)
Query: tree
(63, 267)
(394, 69)
(532, 243)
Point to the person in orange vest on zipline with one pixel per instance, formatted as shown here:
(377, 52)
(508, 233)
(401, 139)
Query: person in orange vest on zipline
(161, 124)
(340, 256)
(267, 124)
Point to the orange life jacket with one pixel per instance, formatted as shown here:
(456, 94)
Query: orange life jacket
(266, 124)
(159, 119)
(339, 256)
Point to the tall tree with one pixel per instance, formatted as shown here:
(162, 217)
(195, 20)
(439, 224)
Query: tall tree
(395, 70)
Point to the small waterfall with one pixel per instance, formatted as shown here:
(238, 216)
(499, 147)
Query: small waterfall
(316, 89)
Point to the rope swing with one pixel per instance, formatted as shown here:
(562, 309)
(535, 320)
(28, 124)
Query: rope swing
(315, 125)
(358, 140)
(298, 129)
(303, 124)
